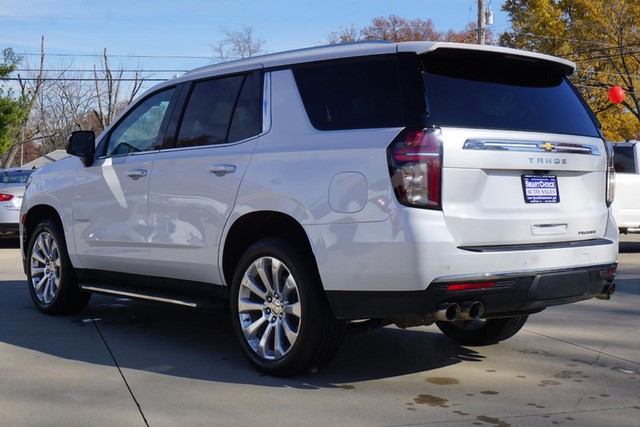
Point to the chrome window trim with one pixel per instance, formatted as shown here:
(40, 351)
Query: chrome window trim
(266, 104)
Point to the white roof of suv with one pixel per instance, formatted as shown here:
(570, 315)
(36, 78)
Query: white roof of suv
(348, 50)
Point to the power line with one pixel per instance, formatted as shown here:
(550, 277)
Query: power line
(36, 70)
(88, 55)
(58, 79)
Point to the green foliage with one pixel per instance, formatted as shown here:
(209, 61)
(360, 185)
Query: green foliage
(603, 39)
(13, 110)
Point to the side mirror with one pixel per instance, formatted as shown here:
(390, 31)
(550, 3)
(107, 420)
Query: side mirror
(82, 144)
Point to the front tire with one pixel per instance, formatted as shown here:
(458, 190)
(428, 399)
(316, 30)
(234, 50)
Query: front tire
(483, 331)
(279, 312)
(52, 282)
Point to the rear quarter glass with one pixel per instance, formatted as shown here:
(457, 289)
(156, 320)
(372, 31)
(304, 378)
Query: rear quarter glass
(352, 94)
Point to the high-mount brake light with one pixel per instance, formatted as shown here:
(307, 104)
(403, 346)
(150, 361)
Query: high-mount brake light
(470, 286)
(5, 197)
(415, 165)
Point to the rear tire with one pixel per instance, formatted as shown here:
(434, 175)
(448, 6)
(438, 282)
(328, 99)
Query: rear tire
(483, 331)
(50, 276)
(279, 312)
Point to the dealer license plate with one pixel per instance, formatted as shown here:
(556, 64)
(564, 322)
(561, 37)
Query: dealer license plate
(540, 189)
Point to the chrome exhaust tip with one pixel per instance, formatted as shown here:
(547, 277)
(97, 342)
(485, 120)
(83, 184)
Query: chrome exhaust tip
(607, 291)
(447, 312)
(471, 310)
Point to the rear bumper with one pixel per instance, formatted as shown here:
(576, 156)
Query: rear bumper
(513, 294)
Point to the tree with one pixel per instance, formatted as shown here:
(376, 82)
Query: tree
(348, 34)
(108, 85)
(12, 109)
(601, 37)
(67, 102)
(469, 35)
(15, 134)
(398, 29)
(237, 45)
(57, 103)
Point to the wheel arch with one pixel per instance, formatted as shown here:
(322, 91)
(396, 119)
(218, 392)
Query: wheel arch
(258, 225)
(33, 217)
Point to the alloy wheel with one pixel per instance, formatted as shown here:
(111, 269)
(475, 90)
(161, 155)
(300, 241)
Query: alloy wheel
(45, 264)
(269, 308)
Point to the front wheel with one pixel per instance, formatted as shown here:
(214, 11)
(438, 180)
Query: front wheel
(279, 312)
(52, 283)
(482, 331)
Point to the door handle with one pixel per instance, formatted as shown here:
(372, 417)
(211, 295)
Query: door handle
(221, 170)
(136, 173)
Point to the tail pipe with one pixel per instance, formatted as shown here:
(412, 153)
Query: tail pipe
(447, 312)
(607, 291)
(471, 310)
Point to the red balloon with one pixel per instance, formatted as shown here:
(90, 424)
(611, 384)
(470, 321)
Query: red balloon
(616, 94)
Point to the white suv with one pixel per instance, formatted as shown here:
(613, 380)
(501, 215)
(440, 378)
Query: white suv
(413, 183)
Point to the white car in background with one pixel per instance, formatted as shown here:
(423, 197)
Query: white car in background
(408, 183)
(12, 185)
(626, 205)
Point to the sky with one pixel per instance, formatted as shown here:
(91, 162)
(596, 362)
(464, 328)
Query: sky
(158, 35)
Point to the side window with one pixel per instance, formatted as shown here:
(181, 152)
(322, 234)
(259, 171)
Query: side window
(623, 159)
(209, 112)
(352, 94)
(246, 121)
(140, 129)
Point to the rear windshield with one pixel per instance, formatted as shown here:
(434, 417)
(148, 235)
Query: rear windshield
(14, 177)
(489, 91)
(623, 160)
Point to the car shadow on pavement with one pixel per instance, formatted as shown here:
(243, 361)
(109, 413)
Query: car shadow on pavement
(199, 344)
(9, 243)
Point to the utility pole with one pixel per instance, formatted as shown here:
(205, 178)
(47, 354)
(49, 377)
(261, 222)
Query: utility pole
(481, 22)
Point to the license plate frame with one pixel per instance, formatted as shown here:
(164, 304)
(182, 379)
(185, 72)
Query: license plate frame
(539, 189)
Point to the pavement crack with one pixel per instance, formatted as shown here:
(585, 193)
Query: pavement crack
(115, 362)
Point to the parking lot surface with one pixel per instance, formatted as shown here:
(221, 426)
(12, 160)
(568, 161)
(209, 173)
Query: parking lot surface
(130, 363)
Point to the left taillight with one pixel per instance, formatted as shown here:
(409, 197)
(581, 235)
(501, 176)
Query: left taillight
(5, 197)
(415, 166)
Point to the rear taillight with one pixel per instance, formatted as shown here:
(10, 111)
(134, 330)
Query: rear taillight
(5, 197)
(611, 174)
(470, 286)
(415, 165)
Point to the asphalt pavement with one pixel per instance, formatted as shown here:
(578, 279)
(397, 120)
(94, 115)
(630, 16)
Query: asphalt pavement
(129, 363)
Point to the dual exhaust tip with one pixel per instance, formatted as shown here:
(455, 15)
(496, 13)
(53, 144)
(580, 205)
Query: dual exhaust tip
(450, 312)
(473, 310)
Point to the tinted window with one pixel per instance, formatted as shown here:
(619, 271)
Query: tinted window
(363, 93)
(15, 177)
(623, 160)
(209, 112)
(246, 121)
(140, 129)
(480, 90)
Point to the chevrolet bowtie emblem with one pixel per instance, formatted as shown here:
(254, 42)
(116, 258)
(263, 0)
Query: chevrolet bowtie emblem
(547, 146)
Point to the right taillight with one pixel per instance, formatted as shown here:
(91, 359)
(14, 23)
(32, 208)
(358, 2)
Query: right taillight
(415, 165)
(611, 174)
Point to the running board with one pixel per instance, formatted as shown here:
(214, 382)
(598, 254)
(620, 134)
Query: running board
(170, 299)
